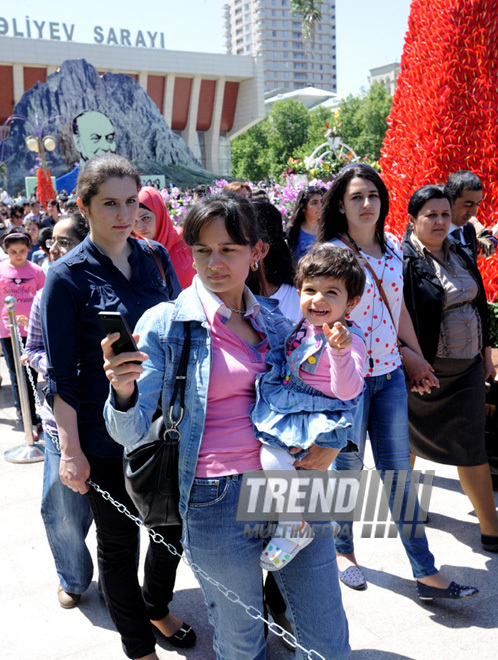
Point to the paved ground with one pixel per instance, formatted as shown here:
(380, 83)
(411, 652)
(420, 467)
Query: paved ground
(386, 621)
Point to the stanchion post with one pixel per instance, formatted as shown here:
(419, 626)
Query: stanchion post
(31, 452)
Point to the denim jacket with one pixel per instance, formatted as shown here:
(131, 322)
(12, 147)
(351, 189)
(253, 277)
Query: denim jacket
(162, 334)
(289, 413)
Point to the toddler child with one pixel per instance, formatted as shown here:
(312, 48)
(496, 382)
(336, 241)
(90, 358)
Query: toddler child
(308, 395)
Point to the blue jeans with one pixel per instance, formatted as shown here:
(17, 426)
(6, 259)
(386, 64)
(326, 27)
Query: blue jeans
(383, 413)
(214, 540)
(67, 518)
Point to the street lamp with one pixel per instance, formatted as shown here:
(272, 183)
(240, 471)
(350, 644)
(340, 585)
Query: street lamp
(40, 144)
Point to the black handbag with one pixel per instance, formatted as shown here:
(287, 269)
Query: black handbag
(151, 470)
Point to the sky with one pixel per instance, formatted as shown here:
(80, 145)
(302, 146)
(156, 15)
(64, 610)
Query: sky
(370, 33)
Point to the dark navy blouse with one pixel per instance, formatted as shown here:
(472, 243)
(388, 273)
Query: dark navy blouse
(78, 286)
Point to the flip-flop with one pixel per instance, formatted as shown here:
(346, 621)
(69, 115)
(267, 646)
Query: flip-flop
(353, 577)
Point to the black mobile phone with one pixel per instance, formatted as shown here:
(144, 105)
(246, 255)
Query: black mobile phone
(115, 322)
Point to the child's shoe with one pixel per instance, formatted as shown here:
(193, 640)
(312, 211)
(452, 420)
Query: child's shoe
(284, 546)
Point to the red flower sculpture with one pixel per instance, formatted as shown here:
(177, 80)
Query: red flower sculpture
(445, 109)
(44, 187)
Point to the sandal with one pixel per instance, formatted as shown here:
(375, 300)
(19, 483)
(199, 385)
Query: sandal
(182, 639)
(353, 577)
(275, 556)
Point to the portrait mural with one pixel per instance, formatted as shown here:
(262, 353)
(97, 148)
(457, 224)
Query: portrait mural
(90, 114)
(93, 134)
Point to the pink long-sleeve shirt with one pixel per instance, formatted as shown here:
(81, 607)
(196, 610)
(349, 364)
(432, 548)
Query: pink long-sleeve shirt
(228, 444)
(339, 373)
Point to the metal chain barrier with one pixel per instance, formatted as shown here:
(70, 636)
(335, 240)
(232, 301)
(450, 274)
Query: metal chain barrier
(38, 404)
(31, 452)
(232, 596)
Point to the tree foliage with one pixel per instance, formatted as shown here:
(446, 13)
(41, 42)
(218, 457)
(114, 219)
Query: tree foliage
(363, 122)
(250, 157)
(288, 124)
(291, 129)
(264, 149)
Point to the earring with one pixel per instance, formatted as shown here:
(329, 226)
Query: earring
(341, 210)
(194, 266)
(255, 266)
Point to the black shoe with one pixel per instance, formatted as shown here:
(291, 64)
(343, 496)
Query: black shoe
(182, 639)
(453, 592)
(489, 543)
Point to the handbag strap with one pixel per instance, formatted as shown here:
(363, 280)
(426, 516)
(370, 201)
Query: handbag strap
(156, 258)
(379, 286)
(180, 381)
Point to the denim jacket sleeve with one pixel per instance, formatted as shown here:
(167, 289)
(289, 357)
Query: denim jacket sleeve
(129, 427)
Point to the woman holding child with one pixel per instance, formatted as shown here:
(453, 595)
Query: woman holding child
(232, 335)
(353, 215)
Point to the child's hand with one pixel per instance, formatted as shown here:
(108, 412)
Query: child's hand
(339, 336)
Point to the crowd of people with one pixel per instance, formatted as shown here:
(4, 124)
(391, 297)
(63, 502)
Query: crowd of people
(306, 340)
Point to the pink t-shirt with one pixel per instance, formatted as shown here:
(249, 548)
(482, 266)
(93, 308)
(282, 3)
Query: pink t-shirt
(339, 373)
(22, 283)
(228, 444)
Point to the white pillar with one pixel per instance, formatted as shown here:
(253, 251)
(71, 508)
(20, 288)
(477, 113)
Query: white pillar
(142, 80)
(169, 94)
(213, 134)
(189, 133)
(18, 82)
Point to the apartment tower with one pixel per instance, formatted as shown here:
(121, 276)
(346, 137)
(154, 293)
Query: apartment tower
(268, 29)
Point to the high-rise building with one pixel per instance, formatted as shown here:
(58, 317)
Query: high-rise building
(268, 29)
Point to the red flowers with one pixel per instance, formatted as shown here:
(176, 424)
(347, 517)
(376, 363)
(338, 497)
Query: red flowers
(44, 187)
(445, 109)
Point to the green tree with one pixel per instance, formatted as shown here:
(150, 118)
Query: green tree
(250, 153)
(363, 120)
(320, 118)
(288, 124)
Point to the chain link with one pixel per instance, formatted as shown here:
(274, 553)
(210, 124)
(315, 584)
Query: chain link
(38, 404)
(22, 350)
(233, 597)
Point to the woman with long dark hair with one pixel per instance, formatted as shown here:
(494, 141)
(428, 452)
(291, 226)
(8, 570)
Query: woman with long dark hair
(278, 270)
(231, 333)
(353, 215)
(303, 224)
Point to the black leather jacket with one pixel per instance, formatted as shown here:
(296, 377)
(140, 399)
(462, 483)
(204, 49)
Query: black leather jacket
(424, 297)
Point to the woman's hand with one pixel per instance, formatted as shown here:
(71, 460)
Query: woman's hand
(74, 471)
(489, 367)
(337, 337)
(23, 320)
(420, 372)
(122, 370)
(317, 458)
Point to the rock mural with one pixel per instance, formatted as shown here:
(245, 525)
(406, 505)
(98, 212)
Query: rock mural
(90, 114)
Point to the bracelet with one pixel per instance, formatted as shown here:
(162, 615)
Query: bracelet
(70, 458)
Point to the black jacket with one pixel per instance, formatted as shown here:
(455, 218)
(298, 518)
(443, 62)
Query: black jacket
(471, 245)
(424, 297)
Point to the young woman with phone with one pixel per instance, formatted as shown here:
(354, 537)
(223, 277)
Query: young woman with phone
(108, 271)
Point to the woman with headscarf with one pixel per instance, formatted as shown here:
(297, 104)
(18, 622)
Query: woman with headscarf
(154, 223)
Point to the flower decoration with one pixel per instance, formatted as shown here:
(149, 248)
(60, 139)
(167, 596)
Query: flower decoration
(444, 116)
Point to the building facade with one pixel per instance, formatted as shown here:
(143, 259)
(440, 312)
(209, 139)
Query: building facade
(268, 29)
(386, 75)
(206, 98)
